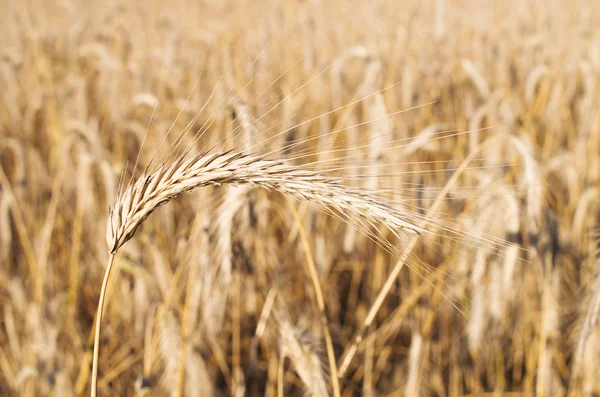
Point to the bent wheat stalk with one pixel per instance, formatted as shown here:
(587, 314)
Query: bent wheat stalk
(154, 189)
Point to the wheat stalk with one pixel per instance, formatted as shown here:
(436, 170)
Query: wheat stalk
(152, 190)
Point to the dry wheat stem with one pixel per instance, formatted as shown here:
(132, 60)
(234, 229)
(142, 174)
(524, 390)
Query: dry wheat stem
(111, 259)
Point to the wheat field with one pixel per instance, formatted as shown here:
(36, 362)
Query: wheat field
(300, 198)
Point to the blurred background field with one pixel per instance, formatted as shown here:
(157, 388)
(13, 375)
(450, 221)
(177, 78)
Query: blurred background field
(501, 295)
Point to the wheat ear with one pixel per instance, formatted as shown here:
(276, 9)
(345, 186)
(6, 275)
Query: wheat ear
(150, 191)
(154, 189)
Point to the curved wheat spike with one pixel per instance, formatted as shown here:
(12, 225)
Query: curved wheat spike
(533, 81)
(478, 80)
(582, 212)
(150, 191)
(298, 347)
